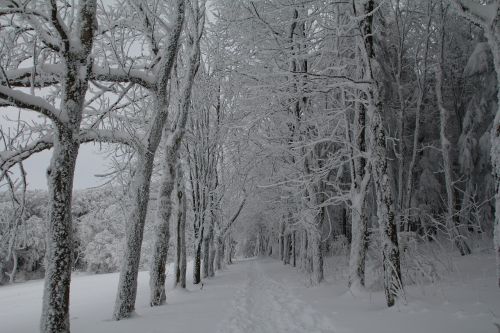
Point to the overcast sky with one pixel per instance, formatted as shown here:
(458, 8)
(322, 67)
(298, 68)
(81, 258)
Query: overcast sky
(88, 164)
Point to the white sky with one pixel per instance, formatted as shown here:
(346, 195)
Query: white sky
(89, 162)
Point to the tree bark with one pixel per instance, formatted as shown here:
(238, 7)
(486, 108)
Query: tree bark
(55, 309)
(59, 255)
(157, 272)
(180, 275)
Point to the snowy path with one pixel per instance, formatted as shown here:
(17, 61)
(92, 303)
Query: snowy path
(264, 305)
(264, 296)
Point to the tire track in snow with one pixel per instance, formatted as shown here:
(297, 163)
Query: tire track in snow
(266, 306)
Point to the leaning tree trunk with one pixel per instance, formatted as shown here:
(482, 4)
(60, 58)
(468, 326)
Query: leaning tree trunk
(127, 285)
(157, 272)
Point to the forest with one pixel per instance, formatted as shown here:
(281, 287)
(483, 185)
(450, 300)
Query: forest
(356, 142)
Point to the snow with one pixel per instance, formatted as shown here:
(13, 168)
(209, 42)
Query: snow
(263, 295)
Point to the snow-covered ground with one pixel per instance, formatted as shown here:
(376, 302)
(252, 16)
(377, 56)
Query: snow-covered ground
(263, 296)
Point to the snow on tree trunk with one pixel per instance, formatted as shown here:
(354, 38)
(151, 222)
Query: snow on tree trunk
(74, 85)
(378, 160)
(359, 242)
(229, 250)
(219, 257)
(359, 221)
(55, 309)
(305, 262)
(127, 286)
(317, 255)
(157, 272)
(385, 206)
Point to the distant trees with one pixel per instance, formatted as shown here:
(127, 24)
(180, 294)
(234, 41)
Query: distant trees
(345, 95)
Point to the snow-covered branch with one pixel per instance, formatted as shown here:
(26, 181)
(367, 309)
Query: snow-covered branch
(10, 158)
(140, 77)
(30, 102)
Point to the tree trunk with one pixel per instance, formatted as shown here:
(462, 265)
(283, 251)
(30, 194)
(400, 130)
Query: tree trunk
(127, 286)
(157, 272)
(206, 250)
(359, 243)
(379, 165)
(317, 256)
(211, 256)
(281, 241)
(197, 257)
(385, 209)
(55, 309)
(359, 188)
(180, 275)
(59, 255)
(219, 257)
(287, 245)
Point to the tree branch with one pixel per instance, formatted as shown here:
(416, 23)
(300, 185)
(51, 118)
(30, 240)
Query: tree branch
(30, 102)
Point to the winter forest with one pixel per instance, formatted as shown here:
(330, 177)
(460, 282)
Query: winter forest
(271, 166)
